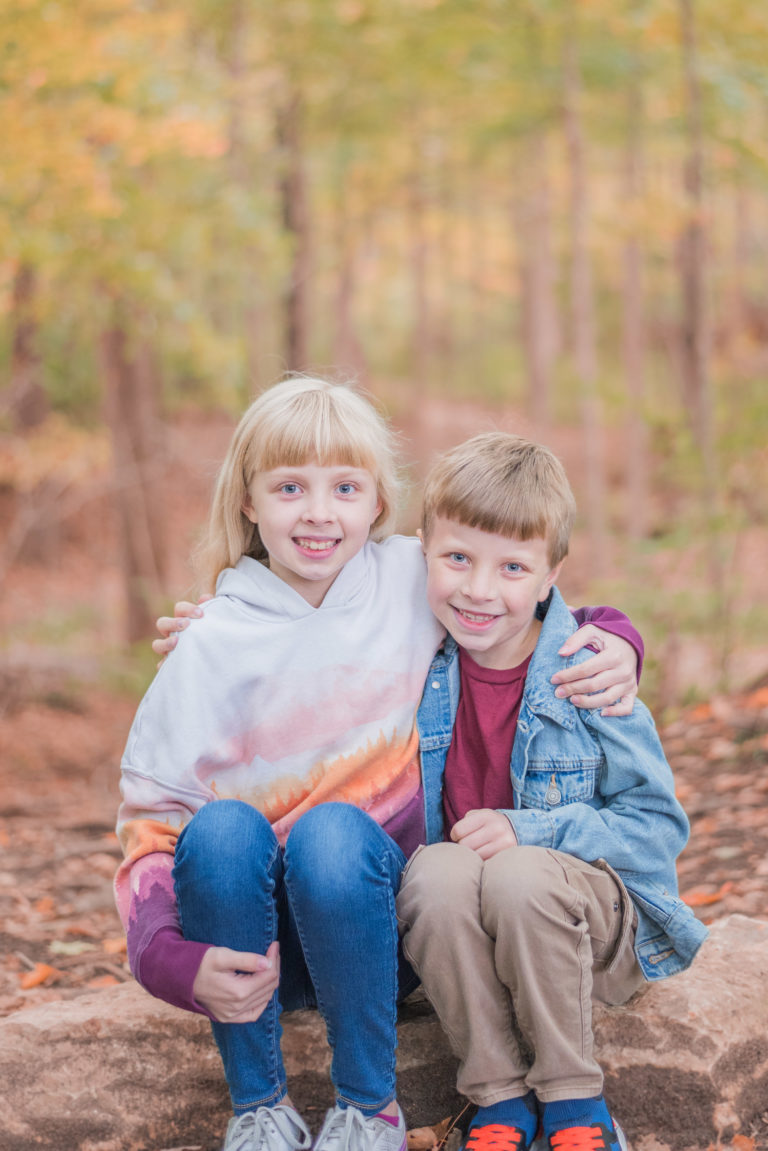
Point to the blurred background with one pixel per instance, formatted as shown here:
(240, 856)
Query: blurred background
(548, 216)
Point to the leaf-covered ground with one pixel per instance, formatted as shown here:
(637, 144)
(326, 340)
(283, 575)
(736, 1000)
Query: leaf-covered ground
(61, 935)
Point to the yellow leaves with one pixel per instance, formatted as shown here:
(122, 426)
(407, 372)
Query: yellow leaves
(57, 450)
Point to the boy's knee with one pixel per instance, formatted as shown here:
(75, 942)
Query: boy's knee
(441, 882)
(517, 879)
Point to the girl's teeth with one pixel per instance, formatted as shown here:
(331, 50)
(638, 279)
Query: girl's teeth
(476, 618)
(317, 545)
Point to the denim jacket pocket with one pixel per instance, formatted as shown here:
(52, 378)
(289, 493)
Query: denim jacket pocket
(550, 785)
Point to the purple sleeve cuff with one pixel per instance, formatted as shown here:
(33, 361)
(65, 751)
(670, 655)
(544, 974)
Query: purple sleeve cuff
(612, 620)
(168, 967)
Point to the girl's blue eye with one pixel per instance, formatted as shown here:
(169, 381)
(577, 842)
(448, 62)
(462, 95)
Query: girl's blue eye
(346, 489)
(289, 489)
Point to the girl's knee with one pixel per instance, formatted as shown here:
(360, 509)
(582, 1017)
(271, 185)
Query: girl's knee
(328, 834)
(226, 828)
(335, 850)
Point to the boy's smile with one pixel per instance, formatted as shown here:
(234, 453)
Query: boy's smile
(484, 588)
(312, 520)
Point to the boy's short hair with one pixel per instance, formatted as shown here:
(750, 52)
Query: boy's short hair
(503, 484)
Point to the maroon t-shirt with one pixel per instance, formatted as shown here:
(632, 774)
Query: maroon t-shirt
(477, 763)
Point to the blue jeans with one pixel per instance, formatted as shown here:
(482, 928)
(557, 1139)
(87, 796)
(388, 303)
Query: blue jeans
(329, 898)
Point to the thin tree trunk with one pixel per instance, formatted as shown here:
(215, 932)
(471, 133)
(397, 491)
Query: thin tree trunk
(583, 312)
(131, 409)
(634, 327)
(26, 397)
(537, 280)
(348, 352)
(295, 218)
(695, 333)
(420, 332)
(251, 311)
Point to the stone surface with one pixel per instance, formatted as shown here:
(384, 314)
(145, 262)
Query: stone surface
(686, 1063)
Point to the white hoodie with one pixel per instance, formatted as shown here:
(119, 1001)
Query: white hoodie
(284, 705)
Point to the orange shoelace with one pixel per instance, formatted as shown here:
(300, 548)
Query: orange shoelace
(496, 1137)
(594, 1138)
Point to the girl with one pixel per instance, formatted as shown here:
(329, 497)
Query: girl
(292, 704)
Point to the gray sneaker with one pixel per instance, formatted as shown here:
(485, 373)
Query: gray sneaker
(277, 1128)
(350, 1130)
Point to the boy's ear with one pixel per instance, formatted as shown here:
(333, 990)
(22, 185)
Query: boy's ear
(551, 579)
(420, 534)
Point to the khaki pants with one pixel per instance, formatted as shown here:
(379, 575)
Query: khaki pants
(511, 952)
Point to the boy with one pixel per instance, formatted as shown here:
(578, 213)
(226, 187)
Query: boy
(558, 884)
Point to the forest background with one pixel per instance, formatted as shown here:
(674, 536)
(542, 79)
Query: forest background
(542, 215)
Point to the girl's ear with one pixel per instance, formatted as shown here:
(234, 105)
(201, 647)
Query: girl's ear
(420, 534)
(248, 510)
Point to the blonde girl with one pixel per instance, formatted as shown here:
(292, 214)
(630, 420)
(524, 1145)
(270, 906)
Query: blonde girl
(292, 704)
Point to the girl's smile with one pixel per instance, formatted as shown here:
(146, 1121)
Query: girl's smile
(312, 520)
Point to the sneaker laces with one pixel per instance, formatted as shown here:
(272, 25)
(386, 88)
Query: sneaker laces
(496, 1137)
(594, 1138)
(350, 1130)
(268, 1129)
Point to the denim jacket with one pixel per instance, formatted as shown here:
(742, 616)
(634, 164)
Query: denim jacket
(597, 787)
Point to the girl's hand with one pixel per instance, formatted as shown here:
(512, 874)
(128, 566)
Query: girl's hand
(485, 831)
(608, 680)
(236, 986)
(169, 627)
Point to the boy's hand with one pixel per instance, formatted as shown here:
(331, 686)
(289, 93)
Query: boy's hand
(608, 680)
(169, 627)
(236, 986)
(485, 831)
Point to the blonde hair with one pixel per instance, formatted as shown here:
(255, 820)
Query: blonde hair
(503, 484)
(299, 420)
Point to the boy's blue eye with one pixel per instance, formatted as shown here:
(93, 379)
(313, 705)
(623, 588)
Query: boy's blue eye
(458, 557)
(513, 567)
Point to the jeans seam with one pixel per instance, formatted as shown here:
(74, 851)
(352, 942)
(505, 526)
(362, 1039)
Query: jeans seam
(380, 860)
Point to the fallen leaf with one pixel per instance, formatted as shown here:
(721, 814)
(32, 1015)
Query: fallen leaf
(103, 981)
(117, 946)
(45, 905)
(743, 1142)
(755, 699)
(75, 947)
(421, 1139)
(81, 929)
(40, 973)
(697, 898)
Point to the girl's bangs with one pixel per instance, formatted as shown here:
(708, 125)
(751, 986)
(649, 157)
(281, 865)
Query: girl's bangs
(314, 439)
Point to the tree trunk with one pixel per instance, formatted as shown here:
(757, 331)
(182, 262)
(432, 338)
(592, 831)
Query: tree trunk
(348, 353)
(583, 312)
(26, 397)
(250, 312)
(132, 414)
(634, 336)
(295, 218)
(695, 334)
(420, 332)
(538, 306)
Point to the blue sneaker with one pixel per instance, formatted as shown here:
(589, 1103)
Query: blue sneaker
(596, 1137)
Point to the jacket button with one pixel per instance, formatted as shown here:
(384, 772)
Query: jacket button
(436, 684)
(553, 795)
